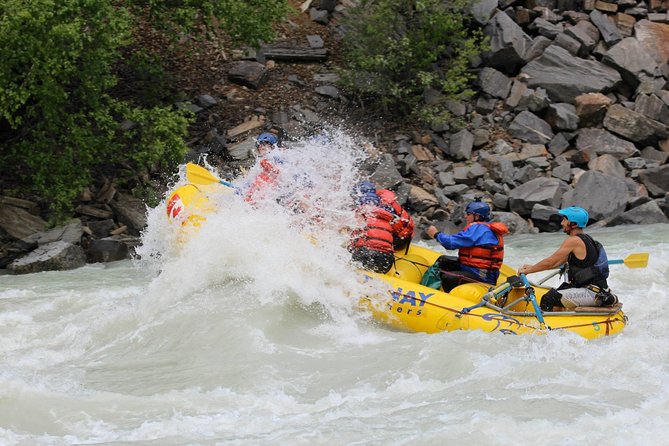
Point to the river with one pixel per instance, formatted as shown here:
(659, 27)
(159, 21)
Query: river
(248, 334)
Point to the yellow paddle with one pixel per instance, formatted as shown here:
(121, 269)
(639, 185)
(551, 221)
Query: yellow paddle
(199, 175)
(636, 260)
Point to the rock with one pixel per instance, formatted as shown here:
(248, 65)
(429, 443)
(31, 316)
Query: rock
(608, 165)
(545, 191)
(591, 108)
(461, 144)
(19, 223)
(513, 221)
(645, 214)
(130, 211)
(634, 126)
(603, 196)
(494, 83)
(55, 256)
(630, 59)
(602, 142)
(564, 77)
(654, 38)
(529, 127)
(508, 43)
(656, 180)
(247, 73)
(610, 34)
(108, 249)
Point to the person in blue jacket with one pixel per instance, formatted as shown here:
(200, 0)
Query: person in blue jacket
(480, 247)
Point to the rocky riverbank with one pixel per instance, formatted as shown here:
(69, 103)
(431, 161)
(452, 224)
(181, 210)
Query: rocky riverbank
(572, 108)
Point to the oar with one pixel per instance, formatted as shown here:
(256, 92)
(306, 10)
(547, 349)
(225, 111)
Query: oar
(636, 260)
(199, 175)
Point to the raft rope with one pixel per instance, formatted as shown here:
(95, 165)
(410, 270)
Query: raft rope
(608, 323)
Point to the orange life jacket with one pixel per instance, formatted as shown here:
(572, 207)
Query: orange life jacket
(402, 224)
(487, 257)
(377, 234)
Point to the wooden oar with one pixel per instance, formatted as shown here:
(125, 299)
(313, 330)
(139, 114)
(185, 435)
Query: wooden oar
(199, 175)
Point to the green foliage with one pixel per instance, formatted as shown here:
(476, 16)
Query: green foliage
(395, 49)
(248, 21)
(60, 123)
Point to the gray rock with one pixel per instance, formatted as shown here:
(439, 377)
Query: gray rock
(248, 73)
(630, 59)
(564, 77)
(108, 249)
(55, 256)
(656, 180)
(610, 34)
(601, 195)
(494, 83)
(507, 43)
(483, 10)
(634, 126)
(461, 145)
(562, 172)
(513, 221)
(130, 211)
(562, 116)
(542, 190)
(608, 165)
(644, 214)
(19, 223)
(602, 142)
(529, 127)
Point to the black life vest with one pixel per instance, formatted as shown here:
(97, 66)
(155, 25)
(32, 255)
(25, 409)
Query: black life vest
(593, 269)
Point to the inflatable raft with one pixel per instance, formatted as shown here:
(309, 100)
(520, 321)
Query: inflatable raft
(511, 307)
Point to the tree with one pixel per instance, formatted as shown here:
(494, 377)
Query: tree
(60, 122)
(395, 49)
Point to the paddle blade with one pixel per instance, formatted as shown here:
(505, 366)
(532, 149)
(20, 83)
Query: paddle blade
(199, 175)
(637, 260)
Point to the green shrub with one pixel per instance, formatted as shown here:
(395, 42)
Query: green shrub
(395, 49)
(60, 124)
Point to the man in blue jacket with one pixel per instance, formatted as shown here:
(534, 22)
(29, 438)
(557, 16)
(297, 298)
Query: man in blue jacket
(480, 248)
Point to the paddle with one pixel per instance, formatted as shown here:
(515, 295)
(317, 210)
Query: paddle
(199, 175)
(636, 260)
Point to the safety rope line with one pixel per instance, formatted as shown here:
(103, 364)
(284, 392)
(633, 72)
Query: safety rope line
(608, 322)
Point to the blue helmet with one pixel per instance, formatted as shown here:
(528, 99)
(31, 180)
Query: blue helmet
(576, 215)
(479, 208)
(365, 187)
(267, 138)
(366, 193)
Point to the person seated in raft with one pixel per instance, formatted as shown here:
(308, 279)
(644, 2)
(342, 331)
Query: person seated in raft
(587, 266)
(480, 247)
(269, 166)
(402, 223)
(372, 245)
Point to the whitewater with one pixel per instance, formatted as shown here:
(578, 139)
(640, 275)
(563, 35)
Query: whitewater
(247, 331)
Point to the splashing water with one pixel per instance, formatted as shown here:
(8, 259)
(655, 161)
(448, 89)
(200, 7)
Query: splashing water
(278, 254)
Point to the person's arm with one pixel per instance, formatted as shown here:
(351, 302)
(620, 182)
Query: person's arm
(555, 260)
(475, 235)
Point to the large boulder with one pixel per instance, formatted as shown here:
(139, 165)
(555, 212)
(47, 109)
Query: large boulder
(542, 190)
(564, 76)
(603, 196)
(54, 256)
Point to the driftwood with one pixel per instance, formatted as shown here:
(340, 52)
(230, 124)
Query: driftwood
(296, 54)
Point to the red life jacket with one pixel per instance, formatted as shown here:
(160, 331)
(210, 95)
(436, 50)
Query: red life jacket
(402, 224)
(267, 176)
(377, 234)
(487, 257)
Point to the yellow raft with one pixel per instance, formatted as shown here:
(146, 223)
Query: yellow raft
(506, 308)
(410, 306)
